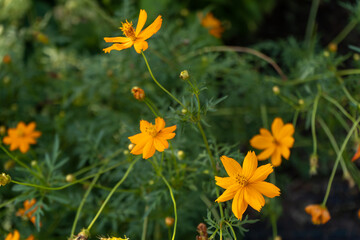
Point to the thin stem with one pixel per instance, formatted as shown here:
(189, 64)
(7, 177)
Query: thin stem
(196, 93)
(83, 201)
(311, 21)
(338, 160)
(264, 117)
(174, 202)
(145, 224)
(213, 235)
(313, 128)
(157, 83)
(232, 229)
(111, 193)
(150, 107)
(347, 29)
(333, 101)
(295, 118)
(348, 95)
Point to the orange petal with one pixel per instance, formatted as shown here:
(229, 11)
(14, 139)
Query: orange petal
(285, 152)
(117, 39)
(141, 21)
(266, 153)
(138, 149)
(224, 182)
(265, 132)
(265, 188)
(261, 142)
(276, 127)
(165, 135)
(253, 198)
(149, 149)
(24, 147)
(158, 145)
(118, 47)
(136, 139)
(228, 194)
(287, 130)
(140, 46)
(14, 145)
(250, 164)
(144, 125)
(287, 141)
(239, 205)
(276, 158)
(163, 141)
(169, 129)
(159, 123)
(231, 166)
(30, 128)
(355, 157)
(151, 29)
(7, 140)
(261, 173)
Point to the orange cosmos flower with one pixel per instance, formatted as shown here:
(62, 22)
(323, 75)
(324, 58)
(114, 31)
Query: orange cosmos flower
(134, 37)
(152, 137)
(276, 144)
(25, 211)
(357, 154)
(246, 185)
(22, 136)
(16, 236)
(320, 214)
(213, 24)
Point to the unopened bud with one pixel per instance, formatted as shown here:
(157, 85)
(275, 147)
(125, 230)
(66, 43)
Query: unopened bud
(4, 179)
(33, 163)
(313, 164)
(70, 178)
(131, 146)
(356, 57)
(138, 93)
(9, 164)
(126, 152)
(276, 90)
(184, 75)
(301, 102)
(326, 54)
(7, 59)
(332, 47)
(184, 111)
(83, 235)
(169, 221)
(2, 130)
(181, 154)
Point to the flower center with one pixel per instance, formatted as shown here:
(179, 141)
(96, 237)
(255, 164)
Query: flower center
(128, 30)
(20, 133)
(241, 180)
(151, 130)
(276, 142)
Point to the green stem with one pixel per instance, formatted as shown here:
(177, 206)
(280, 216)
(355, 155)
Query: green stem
(232, 229)
(111, 193)
(172, 96)
(342, 35)
(196, 93)
(213, 235)
(264, 118)
(348, 95)
(313, 129)
(338, 160)
(174, 202)
(150, 107)
(145, 224)
(311, 22)
(296, 115)
(83, 201)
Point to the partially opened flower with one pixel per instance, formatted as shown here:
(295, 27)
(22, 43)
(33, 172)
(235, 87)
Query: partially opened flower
(133, 36)
(152, 137)
(246, 185)
(13, 236)
(22, 136)
(357, 154)
(28, 210)
(275, 144)
(319, 213)
(213, 24)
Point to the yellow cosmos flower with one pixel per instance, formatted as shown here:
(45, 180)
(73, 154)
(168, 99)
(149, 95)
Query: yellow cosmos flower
(152, 137)
(276, 144)
(246, 185)
(21, 136)
(134, 37)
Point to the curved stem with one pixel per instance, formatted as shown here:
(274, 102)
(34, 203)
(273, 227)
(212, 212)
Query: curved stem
(338, 160)
(311, 21)
(174, 202)
(313, 129)
(111, 193)
(150, 107)
(347, 29)
(232, 229)
(145, 224)
(157, 83)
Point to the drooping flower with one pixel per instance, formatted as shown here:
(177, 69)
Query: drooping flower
(246, 185)
(276, 144)
(319, 213)
(213, 24)
(28, 204)
(152, 137)
(133, 36)
(22, 136)
(138, 93)
(357, 154)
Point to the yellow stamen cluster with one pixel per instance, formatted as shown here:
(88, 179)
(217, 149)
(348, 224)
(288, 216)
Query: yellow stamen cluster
(151, 130)
(241, 180)
(128, 30)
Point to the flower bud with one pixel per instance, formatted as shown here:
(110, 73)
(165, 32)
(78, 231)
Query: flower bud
(332, 47)
(2, 130)
(301, 102)
(138, 93)
(126, 152)
(83, 235)
(356, 57)
(202, 230)
(7, 59)
(313, 164)
(70, 178)
(276, 90)
(169, 221)
(326, 54)
(180, 154)
(131, 146)
(33, 163)
(9, 164)
(184, 111)
(184, 75)
(4, 179)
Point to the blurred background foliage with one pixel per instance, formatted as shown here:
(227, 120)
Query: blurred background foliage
(80, 99)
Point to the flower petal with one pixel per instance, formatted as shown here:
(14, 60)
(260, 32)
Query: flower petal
(24, 147)
(7, 140)
(239, 204)
(266, 153)
(265, 188)
(287, 141)
(285, 152)
(137, 138)
(169, 129)
(287, 130)
(139, 147)
(149, 149)
(140, 46)
(265, 132)
(151, 29)
(254, 198)
(165, 135)
(276, 158)
(228, 193)
(141, 21)
(231, 166)
(224, 182)
(159, 123)
(30, 128)
(261, 173)
(144, 125)
(276, 127)
(117, 39)
(250, 164)
(118, 47)
(158, 145)
(261, 142)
